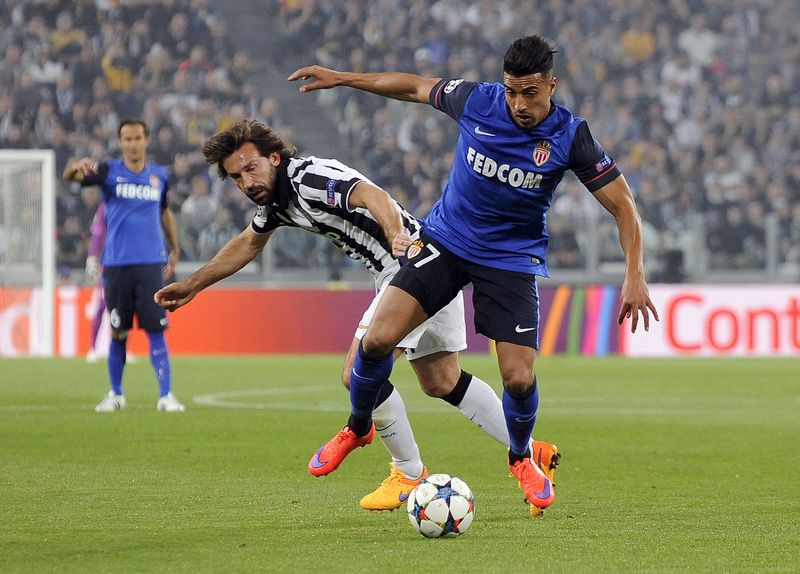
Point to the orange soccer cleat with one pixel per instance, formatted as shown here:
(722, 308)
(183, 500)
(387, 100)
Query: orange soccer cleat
(534, 483)
(546, 457)
(331, 454)
(392, 492)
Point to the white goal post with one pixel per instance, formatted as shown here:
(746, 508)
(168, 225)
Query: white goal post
(27, 252)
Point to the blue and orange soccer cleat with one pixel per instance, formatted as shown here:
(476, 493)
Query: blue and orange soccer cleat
(392, 492)
(331, 454)
(534, 483)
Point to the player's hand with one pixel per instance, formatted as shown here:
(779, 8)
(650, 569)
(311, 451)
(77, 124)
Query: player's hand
(324, 78)
(635, 299)
(85, 166)
(400, 243)
(174, 295)
(92, 268)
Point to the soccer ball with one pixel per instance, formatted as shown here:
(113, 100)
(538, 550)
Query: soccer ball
(441, 506)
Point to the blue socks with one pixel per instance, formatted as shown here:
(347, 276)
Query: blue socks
(368, 376)
(520, 413)
(116, 364)
(159, 358)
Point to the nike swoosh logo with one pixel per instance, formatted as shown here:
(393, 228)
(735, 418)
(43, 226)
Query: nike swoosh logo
(519, 329)
(316, 462)
(480, 132)
(545, 494)
(403, 497)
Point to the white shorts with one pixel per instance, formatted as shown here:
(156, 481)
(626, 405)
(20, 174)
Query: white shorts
(445, 331)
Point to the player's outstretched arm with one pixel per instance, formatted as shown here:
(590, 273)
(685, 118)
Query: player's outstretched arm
(395, 85)
(234, 255)
(616, 197)
(385, 211)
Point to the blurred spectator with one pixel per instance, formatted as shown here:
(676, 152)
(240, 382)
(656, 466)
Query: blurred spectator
(734, 240)
(72, 245)
(197, 213)
(216, 234)
(564, 250)
(196, 67)
(65, 38)
(698, 41)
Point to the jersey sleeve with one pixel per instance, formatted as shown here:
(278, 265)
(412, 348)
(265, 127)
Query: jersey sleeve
(98, 176)
(450, 96)
(590, 163)
(329, 183)
(347, 188)
(264, 221)
(165, 181)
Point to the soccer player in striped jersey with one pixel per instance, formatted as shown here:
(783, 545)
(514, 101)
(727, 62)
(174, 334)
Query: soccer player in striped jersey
(136, 258)
(488, 229)
(326, 197)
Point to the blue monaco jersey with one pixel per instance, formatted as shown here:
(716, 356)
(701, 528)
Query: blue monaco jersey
(493, 209)
(133, 212)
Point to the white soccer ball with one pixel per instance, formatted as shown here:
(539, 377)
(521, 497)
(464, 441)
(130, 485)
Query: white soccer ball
(441, 506)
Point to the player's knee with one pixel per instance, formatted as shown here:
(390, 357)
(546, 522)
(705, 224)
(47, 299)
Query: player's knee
(518, 380)
(376, 345)
(434, 389)
(119, 335)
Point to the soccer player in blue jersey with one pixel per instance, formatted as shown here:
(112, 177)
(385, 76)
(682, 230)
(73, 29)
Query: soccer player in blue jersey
(488, 229)
(136, 259)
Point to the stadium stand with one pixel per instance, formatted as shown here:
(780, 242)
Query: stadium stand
(696, 99)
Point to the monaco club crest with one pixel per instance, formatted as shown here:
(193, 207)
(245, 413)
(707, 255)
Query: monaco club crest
(414, 249)
(541, 153)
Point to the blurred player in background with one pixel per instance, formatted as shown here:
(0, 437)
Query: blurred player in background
(488, 229)
(135, 257)
(326, 197)
(94, 273)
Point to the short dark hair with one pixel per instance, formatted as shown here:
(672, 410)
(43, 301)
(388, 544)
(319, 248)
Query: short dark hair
(529, 55)
(224, 143)
(133, 122)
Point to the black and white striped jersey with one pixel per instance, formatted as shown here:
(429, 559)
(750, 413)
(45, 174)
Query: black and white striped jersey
(313, 194)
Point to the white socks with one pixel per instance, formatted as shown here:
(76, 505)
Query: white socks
(483, 407)
(394, 429)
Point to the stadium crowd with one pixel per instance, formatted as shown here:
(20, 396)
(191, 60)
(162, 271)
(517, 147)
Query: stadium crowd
(697, 100)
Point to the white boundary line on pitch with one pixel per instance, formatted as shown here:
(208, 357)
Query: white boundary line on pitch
(580, 406)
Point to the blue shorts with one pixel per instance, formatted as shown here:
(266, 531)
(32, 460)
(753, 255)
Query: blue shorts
(506, 302)
(129, 291)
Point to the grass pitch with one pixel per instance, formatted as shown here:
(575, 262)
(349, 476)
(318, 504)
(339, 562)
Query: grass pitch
(669, 465)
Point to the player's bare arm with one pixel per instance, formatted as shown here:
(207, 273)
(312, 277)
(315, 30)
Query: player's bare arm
(170, 228)
(79, 169)
(234, 255)
(385, 211)
(616, 197)
(395, 85)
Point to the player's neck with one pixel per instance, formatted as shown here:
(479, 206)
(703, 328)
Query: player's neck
(134, 165)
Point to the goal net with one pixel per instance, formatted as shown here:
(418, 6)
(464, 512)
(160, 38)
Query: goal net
(27, 252)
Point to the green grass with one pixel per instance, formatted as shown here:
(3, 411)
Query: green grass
(669, 465)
